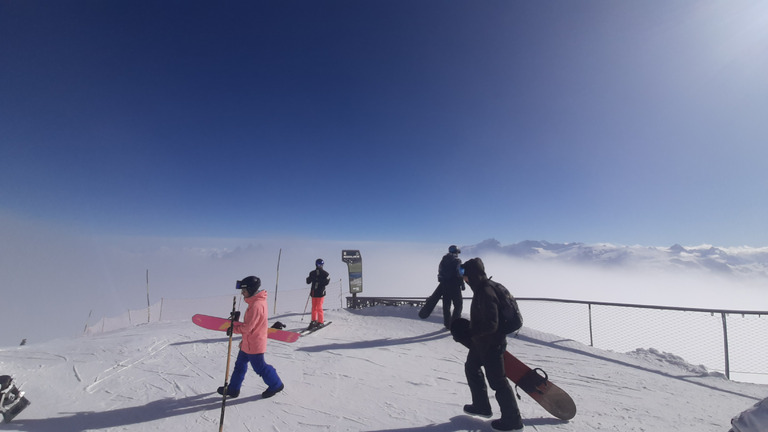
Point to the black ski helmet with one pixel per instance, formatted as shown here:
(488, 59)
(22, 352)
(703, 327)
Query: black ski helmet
(453, 249)
(251, 283)
(319, 262)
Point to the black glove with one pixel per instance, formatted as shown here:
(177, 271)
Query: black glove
(461, 332)
(229, 331)
(235, 315)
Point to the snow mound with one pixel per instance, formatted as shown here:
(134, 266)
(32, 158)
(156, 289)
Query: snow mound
(653, 355)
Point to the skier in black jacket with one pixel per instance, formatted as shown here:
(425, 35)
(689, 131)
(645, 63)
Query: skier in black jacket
(450, 285)
(487, 343)
(319, 279)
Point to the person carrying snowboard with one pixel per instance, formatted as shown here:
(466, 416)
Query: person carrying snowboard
(487, 343)
(254, 329)
(319, 279)
(450, 285)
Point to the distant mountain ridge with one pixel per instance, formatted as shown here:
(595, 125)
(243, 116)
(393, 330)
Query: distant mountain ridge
(745, 261)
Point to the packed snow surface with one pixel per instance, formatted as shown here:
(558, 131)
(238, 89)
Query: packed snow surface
(376, 369)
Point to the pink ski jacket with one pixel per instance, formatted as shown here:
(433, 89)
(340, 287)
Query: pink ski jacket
(254, 325)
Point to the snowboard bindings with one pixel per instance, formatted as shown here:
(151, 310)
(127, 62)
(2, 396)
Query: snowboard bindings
(12, 401)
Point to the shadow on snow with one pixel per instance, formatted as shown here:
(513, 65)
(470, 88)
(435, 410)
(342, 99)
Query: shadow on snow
(376, 343)
(468, 424)
(155, 410)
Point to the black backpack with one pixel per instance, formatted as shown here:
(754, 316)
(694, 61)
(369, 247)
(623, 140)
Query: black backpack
(510, 319)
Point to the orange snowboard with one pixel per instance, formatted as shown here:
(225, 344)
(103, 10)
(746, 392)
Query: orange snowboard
(222, 324)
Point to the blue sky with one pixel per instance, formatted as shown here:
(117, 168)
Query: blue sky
(434, 121)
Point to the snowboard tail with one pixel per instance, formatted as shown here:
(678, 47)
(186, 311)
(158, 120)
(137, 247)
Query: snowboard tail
(222, 324)
(12, 401)
(537, 385)
(18, 406)
(431, 302)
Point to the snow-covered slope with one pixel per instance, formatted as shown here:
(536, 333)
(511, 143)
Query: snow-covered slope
(377, 369)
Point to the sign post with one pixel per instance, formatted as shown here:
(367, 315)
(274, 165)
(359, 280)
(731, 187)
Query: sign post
(355, 267)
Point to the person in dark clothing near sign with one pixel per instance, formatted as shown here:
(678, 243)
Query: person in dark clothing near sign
(319, 279)
(487, 343)
(449, 288)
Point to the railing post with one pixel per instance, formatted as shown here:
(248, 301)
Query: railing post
(725, 346)
(591, 341)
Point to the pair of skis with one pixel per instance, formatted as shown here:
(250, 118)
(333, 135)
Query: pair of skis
(311, 329)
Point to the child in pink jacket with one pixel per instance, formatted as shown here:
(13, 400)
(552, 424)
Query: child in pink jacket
(254, 330)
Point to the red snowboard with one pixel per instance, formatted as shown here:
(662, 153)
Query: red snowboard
(551, 397)
(222, 324)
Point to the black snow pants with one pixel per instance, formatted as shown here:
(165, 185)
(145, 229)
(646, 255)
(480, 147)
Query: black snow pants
(451, 295)
(492, 360)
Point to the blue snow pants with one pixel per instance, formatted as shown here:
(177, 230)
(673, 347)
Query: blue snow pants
(265, 371)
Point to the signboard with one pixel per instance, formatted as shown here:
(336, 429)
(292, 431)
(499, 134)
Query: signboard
(355, 266)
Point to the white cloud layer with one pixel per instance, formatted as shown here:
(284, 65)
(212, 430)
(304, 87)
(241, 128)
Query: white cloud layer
(52, 279)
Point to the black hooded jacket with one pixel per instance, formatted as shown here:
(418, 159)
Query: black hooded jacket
(484, 312)
(448, 271)
(319, 279)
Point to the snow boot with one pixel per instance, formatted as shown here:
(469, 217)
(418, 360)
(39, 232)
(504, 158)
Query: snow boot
(501, 425)
(480, 412)
(230, 392)
(269, 393)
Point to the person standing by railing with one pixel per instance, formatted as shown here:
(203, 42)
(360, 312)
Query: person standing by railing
(449, 288)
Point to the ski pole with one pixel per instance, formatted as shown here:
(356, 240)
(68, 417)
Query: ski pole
(305, 306)
(274, 311)
(229, 354)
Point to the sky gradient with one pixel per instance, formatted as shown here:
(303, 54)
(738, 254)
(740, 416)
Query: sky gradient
(427, 121)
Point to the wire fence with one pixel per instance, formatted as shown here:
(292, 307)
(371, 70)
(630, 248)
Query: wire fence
(728, 341)
(731, 342)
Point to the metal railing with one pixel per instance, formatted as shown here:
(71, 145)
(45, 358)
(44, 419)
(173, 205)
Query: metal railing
(618, 326)
(722, 314)
(356, 302)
